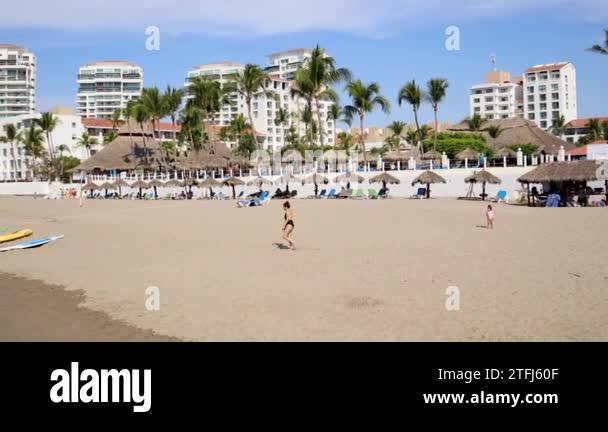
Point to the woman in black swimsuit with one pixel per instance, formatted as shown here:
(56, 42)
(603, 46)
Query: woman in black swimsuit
(288, 225)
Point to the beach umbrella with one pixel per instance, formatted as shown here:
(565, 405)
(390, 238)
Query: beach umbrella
(483, 177)
(432, 155)
(210, 183)
(90, 187)
(467, 154)
(259, 181)
(140, 184)
(348, 178)
(315, 179)
(188, 184)
(156, 184)
(120, 184)
(173, 183)
(232, 182)
(105, 186)
(428, 178)
(384, 178)
(286, 179)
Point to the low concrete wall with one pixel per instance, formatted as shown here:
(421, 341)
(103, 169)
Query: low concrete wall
(25, 188)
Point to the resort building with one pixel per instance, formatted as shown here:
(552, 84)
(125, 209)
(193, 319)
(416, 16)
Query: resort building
(498, 97)
(578, 128)
(17, 81)
(69, 130)
(264, 109)
(106, 86)
(550, 92)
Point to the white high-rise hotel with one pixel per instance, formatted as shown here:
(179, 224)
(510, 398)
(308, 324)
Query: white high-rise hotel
(17, 81)
(498, 98)
(281, 70)
(550, 92)
(106, 86)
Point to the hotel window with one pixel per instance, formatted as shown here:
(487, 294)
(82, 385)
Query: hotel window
(255, 105)
(531, 77)
(543, 106)
(504, 107)
(504, 99)
(490, 91)
(504, 90)
(554, 87)
(269, 104)
(270, 122)
(477, 109)
(543, 76)
(269, 113)
(531, 89)
(543, 97)
(556, 75)
(489, 107)
(555, 105)
(543, 124)
(543, 115)
(255, 114)
(490, 116)
(530, 107)
(555, 114)
(531, 116)
(530, 98)
(554, 95)
(489, 99)
(542, 88)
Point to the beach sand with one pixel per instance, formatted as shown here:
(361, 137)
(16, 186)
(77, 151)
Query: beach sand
(363, 270)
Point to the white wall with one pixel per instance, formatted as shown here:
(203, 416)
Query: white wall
(29, 188)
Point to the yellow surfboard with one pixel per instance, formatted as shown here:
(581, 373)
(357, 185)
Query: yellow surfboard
(16, 235)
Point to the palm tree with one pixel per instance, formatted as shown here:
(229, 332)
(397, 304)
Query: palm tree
(282, 119)
(558, 125)
(301, 87)
(605, 130)
(62, 148)
(494, 131)
(129, 114)
(413, 95)
(436, 91)
(153, 103)
(142, 115)
(397, 128)
(48, 122)
(249, 83)
(601, 49)
(475, 123)
(11, 137)
(116, 118)
(173, 100)
(595, 130)
(86, 142)
(345, 141)
(191, 118)
(238, 127)
(412, 136)
(364, 99)
(33, 142)
(109, 136)
(322, 73)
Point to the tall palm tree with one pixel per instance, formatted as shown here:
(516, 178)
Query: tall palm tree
(412, 136)
(281, 119)
(601, 49)
(250, 83)
(11, 137)
(322, 73)
(116, 118)
(109, 136)
(345, 141)
(129, 114)
(558, 125)
(173, 100)
(412, 94)
(153, 103)
(494, 131)
(86, 142)
(191, 119)
(364, 98)
(61, 149)
(397, 128)
(436, 91)
(32, 140)
(142, 115)
(238, 127)
(48, 122)
(595, 130)
(475, 123)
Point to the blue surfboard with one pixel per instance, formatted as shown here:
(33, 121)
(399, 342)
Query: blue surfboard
(31, 244)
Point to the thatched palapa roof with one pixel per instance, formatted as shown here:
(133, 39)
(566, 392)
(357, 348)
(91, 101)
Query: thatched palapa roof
(384, 178)
(428, 177)
(350, 177)
(467, 154)
(586, 170)
(483, 176)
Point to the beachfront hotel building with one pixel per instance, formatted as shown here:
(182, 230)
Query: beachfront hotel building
(281, 72)
(578, 128)
(105, 86)
(498, 97)
(549, 93)
(17, 81)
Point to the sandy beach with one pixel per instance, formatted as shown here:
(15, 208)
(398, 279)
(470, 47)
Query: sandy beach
(363, 270)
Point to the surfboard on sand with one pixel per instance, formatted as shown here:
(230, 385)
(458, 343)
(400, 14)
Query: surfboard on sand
(31, 244)
(16, 235)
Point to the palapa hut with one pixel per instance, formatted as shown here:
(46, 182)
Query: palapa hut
(483, 177)
(428, 178)
(315, 179)
(233, 182)
(286, 179)
(505, 152)
(259, 182)
(562, 176)
(210, 183)
(467, 154)
(432, 155)
(348, 178)
(140, 184)
(384, 178)
(120, 184)
(155, 184)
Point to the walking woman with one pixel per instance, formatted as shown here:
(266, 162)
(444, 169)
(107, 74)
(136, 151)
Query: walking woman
(288, 225)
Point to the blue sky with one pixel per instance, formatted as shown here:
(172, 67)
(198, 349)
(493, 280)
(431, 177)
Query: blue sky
(387, 41)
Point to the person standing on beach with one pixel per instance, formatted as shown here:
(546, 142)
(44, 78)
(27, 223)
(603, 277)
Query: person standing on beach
(490, 217)
(288, 224)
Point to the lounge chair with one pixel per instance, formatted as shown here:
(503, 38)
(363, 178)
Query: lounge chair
(241, 195)
(359, 194)
(372, 194)
(421, 193)
(501, 196)
(321, 194)
(258, 201)
(331, 194)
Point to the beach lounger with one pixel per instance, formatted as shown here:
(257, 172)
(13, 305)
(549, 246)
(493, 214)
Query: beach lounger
(421, 193)
(258, 201)
(372, 194)
(501, 196)
(331, 194)
(358, 194)
(321, 194)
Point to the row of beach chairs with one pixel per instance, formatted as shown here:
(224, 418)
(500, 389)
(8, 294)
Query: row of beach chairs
(357, 194)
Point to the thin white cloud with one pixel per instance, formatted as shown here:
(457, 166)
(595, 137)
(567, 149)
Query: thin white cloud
(256, 17)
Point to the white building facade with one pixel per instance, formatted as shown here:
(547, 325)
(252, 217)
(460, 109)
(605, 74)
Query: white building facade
(264, 109)
(106, 86)
(550, 92)
(497, 98)
(17, 81)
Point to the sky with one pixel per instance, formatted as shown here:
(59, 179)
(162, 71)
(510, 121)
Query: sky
(386, 41)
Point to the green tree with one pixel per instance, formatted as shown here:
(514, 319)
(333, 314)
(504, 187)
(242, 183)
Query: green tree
(595, 130)
(12, 136)
(413, 95)
(282, 120)
(33, 141)
(86, 142)
(173, 100)
(558, 126)
(48, 122)
(436, 91)
(109, 136)
(475, 123)
(397, 128)
(250, 84)
(494, 131)
(129, 114)
(601, 49)
(364, 99)
(153, 103)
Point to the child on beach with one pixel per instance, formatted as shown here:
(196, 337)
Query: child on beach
(490, 217)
